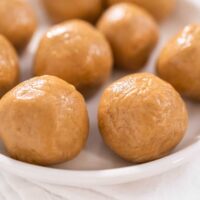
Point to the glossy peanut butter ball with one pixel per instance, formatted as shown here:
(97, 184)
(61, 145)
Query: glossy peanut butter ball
(159, 9)
(43, 121)
(17, 22)
(61, 10)
(179, 62)
(9, 66)
(141, 117)
(132, 34)
(76, 52)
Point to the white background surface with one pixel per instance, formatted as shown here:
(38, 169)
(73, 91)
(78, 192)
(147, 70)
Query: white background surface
(182, 183)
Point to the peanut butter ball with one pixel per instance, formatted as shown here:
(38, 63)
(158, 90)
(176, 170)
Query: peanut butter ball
(17, 22)
(9, 66)
(159, 9)
(43, 121)
(76, 52)
(132, 34)
(61, 10)
(141, 117)
(179, 62)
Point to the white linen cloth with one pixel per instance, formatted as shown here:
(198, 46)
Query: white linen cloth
(182, 183)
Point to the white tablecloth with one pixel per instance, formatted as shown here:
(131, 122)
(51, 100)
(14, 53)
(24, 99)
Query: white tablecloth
(182, 183)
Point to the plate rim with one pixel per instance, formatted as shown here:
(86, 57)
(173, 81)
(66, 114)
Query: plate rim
(98, 177)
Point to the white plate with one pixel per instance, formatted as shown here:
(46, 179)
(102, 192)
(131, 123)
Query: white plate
(96, 164)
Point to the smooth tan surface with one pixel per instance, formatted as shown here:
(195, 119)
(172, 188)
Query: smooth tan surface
(159, 9)
(61, 10)
(17, 21)
(9, 66)
(76, 52)
(141, 117)
(132, 34)
(43, 121)
(179, 62)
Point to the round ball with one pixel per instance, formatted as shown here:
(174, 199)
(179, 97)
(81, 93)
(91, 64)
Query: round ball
(43, 121)
(17, 22)
(77, 53)
(9, 66)
(141, 117)
(179, 62)
(159, 9)
(132, 34)
(61, 10)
